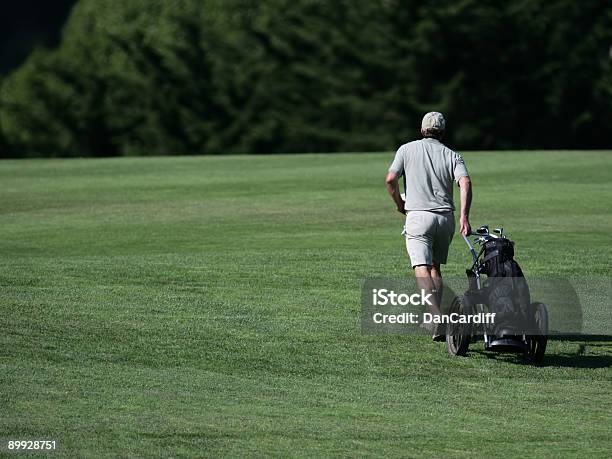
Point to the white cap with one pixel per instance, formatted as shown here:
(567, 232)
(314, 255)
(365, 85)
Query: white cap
(433, 120)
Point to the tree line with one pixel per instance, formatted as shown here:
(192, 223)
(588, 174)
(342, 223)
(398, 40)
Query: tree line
(150, 77)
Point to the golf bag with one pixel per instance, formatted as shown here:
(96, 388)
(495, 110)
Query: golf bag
(497, 285)
(505, 289)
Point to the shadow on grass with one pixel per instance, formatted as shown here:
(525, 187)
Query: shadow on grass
(581, 338)
(554, 360)
(577, 361)
(570, 360)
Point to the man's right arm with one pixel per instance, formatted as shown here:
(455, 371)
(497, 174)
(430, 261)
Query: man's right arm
(395, 172)
(465, 185)
(393, 188)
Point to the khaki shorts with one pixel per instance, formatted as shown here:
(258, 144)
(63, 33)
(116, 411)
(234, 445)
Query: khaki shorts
(428, 236)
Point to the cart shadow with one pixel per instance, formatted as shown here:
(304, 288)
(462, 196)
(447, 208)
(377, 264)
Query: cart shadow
(582, 338)
(568, 360)
(577, 361)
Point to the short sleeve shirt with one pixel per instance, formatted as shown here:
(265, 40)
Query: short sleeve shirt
(429, 169)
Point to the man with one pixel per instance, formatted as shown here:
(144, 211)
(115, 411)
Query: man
(429, 169)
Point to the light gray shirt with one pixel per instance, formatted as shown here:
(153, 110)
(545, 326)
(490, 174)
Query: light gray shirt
(429, 169)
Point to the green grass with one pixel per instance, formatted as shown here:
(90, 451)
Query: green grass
(210, 306)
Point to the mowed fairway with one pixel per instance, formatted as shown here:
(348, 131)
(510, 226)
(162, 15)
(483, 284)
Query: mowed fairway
(211, 305)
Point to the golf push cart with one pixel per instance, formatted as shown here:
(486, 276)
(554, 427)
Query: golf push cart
(497, 285)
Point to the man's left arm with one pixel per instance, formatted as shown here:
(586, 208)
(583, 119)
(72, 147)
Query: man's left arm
(462, 178)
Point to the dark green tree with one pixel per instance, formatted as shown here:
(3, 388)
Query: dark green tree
(241, 76)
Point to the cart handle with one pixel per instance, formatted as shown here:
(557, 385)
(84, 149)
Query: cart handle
(472, 250)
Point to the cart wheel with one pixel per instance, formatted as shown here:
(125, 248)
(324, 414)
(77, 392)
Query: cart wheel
(458, 335)
(537, 343)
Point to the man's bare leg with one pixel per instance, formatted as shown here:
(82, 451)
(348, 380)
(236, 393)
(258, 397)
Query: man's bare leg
(436, 275)
(426, 282)
(429, 278)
